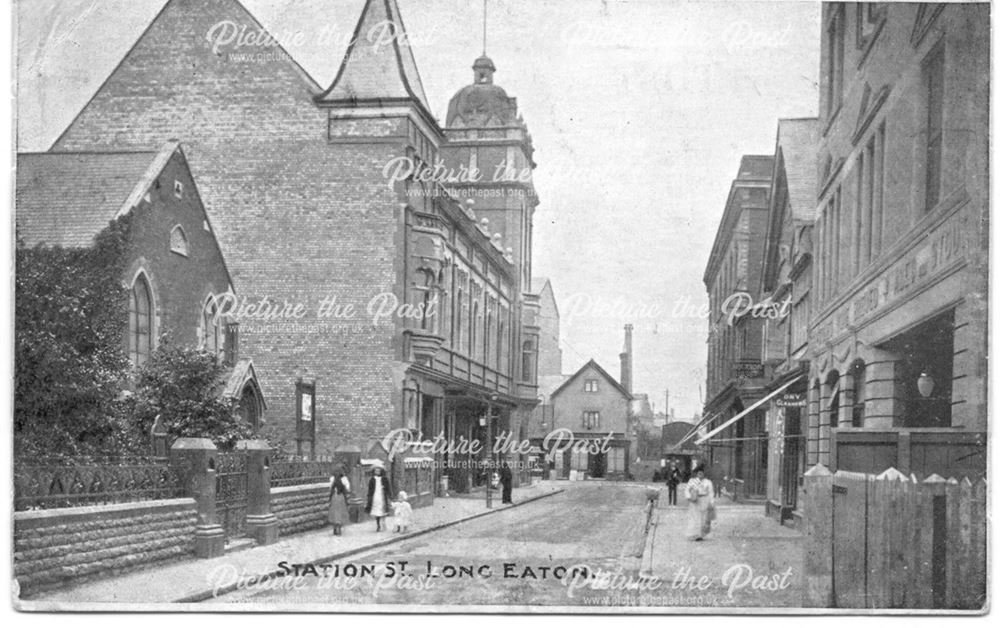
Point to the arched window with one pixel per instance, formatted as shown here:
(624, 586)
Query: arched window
(140, 321)
(858, 408)
(211, 327)
(178, 241)
(833, 403)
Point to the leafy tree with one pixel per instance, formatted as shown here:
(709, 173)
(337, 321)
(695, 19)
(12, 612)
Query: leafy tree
(182, 386)
(70, 312)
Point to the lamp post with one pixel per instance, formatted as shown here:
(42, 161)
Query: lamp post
(489, 450)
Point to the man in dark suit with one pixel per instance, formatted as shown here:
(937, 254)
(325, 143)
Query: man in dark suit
(506, 481)
(673, 479)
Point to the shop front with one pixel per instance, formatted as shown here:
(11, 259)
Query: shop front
(899, 364)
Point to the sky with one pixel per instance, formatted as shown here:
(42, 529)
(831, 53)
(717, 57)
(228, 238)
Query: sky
(639, 111)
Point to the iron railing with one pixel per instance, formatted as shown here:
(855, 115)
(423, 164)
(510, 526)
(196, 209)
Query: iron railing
(90, 481)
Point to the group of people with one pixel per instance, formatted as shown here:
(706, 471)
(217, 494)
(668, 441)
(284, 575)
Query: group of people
(378, 504)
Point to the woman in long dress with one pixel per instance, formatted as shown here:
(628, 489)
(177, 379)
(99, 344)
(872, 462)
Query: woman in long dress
(701, 502)
(379, 496)
(340, 490)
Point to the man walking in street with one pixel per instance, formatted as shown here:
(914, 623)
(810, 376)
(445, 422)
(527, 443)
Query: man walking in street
(673, 479)
(506, 480)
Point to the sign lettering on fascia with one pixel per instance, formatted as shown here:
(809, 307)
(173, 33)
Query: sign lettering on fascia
(942, 248)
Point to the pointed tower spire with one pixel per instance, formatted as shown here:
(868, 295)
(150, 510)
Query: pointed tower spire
(379, 63)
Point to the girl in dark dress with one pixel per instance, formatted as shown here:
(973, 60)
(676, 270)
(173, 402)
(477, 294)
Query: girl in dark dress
(379, 495)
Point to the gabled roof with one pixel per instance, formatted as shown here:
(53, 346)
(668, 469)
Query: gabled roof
(795, 168)
(243, 373)
(597, 367)
(172, 66)
(376, 70)
(65, 199)
(539, 285)
(796, 145)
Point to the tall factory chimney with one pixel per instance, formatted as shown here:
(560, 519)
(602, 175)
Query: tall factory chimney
(626, 361)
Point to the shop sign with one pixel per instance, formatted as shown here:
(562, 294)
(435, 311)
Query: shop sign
(791, 400)
(748, 370)
(940, 248)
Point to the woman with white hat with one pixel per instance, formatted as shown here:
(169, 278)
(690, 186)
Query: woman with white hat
(379, 495)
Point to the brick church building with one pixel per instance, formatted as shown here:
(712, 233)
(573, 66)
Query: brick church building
(368, 302)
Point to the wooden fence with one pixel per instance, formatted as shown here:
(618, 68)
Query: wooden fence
(894, 541)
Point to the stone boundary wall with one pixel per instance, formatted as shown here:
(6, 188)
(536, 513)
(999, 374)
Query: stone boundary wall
(55, 547)
(300, 508)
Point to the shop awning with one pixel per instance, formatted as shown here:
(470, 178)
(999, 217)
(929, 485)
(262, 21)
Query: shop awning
(694, 430)
(745, 412)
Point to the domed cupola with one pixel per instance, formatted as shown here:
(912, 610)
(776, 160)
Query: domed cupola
(482, 104)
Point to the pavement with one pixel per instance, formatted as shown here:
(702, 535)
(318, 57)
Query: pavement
(199, 579)
(748, 560)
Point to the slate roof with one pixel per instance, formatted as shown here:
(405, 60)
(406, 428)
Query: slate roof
(797, 141)
(65, 199)
(373, 68)
(597, 367)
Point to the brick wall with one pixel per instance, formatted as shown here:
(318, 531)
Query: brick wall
(180, 284)
(298, 219)
(52, 547)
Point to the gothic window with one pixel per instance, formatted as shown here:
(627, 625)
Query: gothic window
(178, 241)
(211, 327)
(140, 321)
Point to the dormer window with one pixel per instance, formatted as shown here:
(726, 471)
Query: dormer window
(178, 241)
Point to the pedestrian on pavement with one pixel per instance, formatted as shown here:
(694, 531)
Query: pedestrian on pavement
(506, 480)
(673, 479)
(403, 512)
(379, 495)
(340, 489)
(701, 505)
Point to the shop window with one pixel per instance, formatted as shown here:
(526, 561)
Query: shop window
(140, 321)
(925, 367)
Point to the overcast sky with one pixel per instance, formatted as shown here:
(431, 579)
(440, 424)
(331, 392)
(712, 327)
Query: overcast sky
(640, 111)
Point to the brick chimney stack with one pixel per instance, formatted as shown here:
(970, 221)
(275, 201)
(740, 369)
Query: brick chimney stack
(626, 361)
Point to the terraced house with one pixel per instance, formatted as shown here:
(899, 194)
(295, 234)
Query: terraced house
(414, 303)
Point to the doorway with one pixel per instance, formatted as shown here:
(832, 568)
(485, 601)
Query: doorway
(598, 465)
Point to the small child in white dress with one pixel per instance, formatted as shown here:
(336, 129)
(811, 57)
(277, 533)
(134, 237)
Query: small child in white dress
(402, 511)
